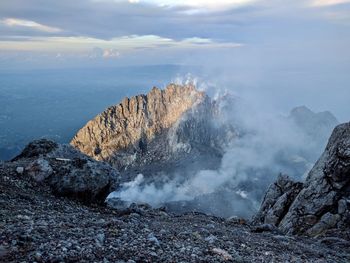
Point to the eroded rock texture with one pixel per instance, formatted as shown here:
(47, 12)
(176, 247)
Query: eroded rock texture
(158, 129)
(278, 198)
(323, 202)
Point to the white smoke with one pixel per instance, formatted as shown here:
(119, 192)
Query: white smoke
(267, 144)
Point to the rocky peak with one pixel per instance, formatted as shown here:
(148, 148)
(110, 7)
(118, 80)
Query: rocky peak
(152, 128)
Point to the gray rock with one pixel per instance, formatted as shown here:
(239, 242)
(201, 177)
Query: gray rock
(211, 239)
(264, 228)
(153, 239)
(117, 204)
(326, 184)
(20, 170)
(83, 178)
(321, 203)
(69, 172)
(277, 200)
(39, 169)
(100, 238)
(327, 221)
(343, 205)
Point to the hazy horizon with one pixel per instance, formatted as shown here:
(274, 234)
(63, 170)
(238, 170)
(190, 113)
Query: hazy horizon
(59, 69)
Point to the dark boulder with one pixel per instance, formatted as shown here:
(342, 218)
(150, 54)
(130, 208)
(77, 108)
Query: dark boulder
(69, 172)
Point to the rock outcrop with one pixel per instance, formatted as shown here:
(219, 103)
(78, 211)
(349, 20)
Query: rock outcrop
(277, 200)
(155, 131)
(67, 171)
(322, 202)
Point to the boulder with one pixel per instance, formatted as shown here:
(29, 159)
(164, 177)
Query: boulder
(69, 172)
(84, 179)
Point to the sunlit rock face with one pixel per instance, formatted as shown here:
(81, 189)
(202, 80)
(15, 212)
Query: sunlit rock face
(159, 128)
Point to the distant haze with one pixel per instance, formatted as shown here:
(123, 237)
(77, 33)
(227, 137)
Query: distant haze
(63, 63)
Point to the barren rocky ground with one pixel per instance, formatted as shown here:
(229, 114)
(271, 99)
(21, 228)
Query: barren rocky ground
(37, 226)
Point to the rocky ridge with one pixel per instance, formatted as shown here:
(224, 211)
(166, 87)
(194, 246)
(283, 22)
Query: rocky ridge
(156, 131)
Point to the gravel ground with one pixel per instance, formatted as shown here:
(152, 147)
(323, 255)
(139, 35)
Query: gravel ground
(36, 226)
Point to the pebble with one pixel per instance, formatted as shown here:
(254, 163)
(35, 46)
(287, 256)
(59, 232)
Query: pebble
(223, 253)
(20, 170)
(153, 239)
(211, 239)
(45, 228)
(101, 238)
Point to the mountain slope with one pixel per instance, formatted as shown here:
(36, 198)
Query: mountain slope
(39, 227)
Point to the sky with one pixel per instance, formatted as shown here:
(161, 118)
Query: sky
(162, 30)
(297, 43)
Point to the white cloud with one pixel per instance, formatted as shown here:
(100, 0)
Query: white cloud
(328, 2)
(14, 22)
(110, 53)
(111, 48)
(198, 4)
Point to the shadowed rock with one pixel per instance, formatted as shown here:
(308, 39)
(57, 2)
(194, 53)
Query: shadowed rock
(323, 202)
(68, 172)
(277, 200)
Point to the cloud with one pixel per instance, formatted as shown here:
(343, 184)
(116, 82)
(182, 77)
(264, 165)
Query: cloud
(328, 2)
(111, 53)
(200, 5)
(14, 22)
(111, 48)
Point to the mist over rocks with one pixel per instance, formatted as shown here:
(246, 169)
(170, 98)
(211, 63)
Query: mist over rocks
(315, 126)
(313, 123)
(179, 146)
(319, 205)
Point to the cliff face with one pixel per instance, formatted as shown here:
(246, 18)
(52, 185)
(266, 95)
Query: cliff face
(158, 127)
